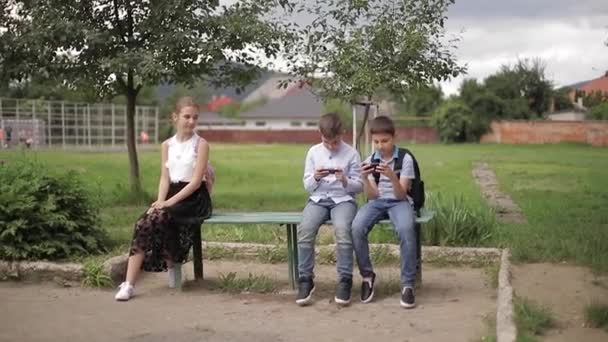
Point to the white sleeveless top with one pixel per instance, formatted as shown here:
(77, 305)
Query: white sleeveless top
(181, 158)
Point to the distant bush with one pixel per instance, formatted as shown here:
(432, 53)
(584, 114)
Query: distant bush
(45, 216)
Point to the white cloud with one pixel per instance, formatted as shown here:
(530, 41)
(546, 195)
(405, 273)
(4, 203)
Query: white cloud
(572, 47)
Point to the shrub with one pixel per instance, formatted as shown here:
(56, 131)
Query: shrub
(599, 112)
(452, 120)
(45, 216)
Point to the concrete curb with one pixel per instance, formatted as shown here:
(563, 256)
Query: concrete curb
(40, 270)
(505, 325)
(429, 253)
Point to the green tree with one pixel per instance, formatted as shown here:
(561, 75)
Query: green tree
(120, 46)
(525, 80)
(599, 112)
(562, 100)
(358, 49)
(453, 120)
(420, 101)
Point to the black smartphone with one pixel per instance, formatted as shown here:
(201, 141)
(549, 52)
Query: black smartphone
(330, 170)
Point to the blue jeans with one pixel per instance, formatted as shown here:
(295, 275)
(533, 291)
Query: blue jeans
(402, 217)
(314, 215)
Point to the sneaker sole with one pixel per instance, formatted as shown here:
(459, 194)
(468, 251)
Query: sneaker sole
(341, 301)
(371, 296)
(406, 305)
(307, 300)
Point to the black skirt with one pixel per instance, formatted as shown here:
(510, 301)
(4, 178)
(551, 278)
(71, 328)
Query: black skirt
(167, 234)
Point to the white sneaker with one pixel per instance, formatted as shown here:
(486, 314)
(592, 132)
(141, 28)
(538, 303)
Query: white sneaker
(175, 276)
(125, 292)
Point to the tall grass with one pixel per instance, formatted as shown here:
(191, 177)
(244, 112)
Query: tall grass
(458, 222)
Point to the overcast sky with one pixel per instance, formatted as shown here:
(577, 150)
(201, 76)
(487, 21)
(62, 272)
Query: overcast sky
(568, 35)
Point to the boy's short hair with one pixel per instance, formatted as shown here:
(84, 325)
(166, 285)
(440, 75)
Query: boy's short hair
(330, 125)
(382, 125)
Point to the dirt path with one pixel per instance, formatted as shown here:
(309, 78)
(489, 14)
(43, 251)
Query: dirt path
(452, 305)
(506, 209)
(566, 290)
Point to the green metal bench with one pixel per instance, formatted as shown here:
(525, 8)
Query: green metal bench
(290, 220)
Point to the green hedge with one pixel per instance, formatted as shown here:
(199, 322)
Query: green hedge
(44, 216)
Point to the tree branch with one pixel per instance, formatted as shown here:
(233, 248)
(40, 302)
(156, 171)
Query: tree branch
(117, 19)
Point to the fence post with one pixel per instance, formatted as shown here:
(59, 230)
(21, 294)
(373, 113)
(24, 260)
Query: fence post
(62, 125)
(48, 124)
(156, 135)
(113, 118)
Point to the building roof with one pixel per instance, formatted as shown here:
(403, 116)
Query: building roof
(598, 84)
(268, 88)
(301, 104)
(210, 118)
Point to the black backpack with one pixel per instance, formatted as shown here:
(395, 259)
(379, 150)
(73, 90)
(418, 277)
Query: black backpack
(416, 191)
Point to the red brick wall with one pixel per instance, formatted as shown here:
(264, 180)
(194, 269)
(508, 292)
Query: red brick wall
(416, 134)
(540, 132)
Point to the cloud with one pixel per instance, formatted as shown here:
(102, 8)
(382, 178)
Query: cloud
(572, 46)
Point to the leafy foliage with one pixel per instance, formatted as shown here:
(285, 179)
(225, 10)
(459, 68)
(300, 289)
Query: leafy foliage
(44, 216)
(452, 121)
(599, 112)
(367, 47)
(119, 46)
(421, 101)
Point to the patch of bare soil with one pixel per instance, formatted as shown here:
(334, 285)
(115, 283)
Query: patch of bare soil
(566, 290)
(506, 209)
(451, 307)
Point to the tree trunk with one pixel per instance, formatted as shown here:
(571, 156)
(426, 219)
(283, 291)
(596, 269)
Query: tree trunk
(131, 148)
(367, 105)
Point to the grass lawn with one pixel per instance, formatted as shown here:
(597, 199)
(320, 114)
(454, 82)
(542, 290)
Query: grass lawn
(561, 189)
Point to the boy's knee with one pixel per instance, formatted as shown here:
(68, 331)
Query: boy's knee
(405, 229)
(358, 230)
(307, 233)
(343, 233)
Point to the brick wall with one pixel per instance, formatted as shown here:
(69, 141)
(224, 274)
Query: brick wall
(540, 132)
(417, 134)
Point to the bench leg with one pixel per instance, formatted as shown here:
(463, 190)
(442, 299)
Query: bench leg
(292, 254)
(197, 253)
(417, 227)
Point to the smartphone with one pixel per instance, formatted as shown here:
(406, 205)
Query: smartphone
(374, 164)
(330, 170)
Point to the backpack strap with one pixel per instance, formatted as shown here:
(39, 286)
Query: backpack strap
(401, 152)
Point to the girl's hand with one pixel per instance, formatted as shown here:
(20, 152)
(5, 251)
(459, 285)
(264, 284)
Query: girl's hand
(157, 206)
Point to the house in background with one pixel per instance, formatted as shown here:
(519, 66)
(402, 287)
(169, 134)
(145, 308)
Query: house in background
(595, 86)
(299, 109)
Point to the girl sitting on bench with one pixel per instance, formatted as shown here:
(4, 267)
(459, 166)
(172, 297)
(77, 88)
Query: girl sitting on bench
(163, 234)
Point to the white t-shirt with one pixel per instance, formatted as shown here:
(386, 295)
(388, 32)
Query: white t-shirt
(181, 158)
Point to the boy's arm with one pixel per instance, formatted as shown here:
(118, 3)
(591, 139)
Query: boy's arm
(369, 185)
(354, 183)
(370, 188)
(310, 183)
(402, 184)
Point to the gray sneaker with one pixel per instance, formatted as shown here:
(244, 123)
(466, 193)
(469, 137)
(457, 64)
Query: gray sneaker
(306, 287)
(408, 298)
(343, 291)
